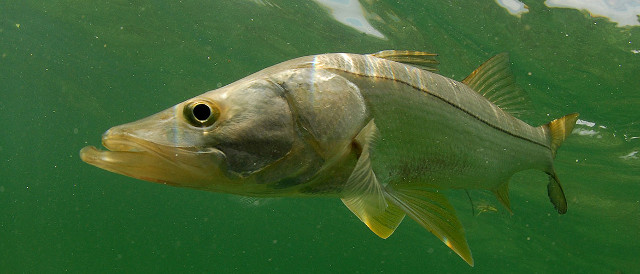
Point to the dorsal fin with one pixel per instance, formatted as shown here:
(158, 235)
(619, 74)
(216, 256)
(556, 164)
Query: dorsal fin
(495, 81)
(423, 60)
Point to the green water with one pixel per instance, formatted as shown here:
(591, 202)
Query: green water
(69, 70)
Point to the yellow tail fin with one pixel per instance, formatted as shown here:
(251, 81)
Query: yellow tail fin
(559, 129)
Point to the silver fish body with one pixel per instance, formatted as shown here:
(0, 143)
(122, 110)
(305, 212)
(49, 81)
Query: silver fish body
(384, 136)
(432, 128)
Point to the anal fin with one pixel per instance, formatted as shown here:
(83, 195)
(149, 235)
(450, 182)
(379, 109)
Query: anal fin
(502, 193)
(432, 211)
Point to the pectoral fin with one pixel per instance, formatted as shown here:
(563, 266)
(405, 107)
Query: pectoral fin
(433, 212)
(383, 208)
(364, 195)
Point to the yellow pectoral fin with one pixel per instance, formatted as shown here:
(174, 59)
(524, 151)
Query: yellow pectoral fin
(362, 190)
(383, 208)
(364, 195)
(433, 212)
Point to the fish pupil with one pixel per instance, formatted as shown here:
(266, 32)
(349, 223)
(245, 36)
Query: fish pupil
(201, 112)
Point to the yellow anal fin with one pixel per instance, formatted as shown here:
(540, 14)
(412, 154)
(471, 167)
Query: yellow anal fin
(364, 195)
(502, 193)
(494, 80)
(433, 212)
(423, 60)
(559, 130)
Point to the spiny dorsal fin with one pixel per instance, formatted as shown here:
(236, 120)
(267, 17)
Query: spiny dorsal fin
(502, 192)
(495, 81)
(432, 211)
(423, 60)
(364, 195)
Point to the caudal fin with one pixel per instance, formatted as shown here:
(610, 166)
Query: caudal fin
(556, 194)
(559, 129)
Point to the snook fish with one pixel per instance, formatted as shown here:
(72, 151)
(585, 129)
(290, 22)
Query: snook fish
(382, 132)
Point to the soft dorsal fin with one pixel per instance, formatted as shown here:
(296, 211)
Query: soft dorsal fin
(423, 60)
(495, 81)
(364, 195)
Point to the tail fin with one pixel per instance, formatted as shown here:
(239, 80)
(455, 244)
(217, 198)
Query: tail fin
(559, 130)
(556, 194)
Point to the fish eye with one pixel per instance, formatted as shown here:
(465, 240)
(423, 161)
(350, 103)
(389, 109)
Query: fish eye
(201, 113)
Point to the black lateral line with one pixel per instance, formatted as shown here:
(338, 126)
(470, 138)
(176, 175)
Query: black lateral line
(450, 103)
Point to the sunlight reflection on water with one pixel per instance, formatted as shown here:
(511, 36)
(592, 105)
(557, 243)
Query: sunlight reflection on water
(623, 12)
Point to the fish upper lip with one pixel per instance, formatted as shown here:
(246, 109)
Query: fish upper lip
(125, 143)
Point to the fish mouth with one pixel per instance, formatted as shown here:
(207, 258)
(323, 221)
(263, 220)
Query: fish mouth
(141, 159)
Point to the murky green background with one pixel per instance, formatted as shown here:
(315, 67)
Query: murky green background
(69, 70)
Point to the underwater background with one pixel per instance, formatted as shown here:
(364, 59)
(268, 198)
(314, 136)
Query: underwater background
(69, 70)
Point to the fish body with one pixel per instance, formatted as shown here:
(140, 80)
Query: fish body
(382, 132)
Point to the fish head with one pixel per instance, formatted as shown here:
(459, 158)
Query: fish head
(215, 141)
(270, 134)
